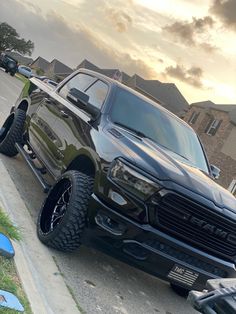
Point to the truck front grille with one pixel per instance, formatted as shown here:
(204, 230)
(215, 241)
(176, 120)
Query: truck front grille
(194, 223)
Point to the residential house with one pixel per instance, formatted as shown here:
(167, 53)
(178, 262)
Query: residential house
(22, 60)
(165, 94)
(112, 73)
(85, 64)
(58, 70)
(40, 64)
(216, 127)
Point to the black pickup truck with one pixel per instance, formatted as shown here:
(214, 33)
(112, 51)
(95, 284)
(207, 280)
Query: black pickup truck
(128, 177)
(8, 63)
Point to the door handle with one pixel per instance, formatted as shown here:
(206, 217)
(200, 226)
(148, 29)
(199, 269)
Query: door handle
(64, 114)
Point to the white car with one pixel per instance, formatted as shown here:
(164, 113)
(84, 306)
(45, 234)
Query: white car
(26, 71)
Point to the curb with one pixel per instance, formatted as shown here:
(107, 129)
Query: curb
(40, 277)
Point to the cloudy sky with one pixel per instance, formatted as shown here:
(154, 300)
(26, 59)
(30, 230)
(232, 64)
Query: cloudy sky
(189, 43)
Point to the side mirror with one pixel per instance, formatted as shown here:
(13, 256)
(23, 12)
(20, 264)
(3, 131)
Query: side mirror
(77, 97)
(215, 171)
(81, 100)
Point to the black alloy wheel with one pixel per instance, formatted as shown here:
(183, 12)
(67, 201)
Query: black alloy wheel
(57, 207)
(62, 217)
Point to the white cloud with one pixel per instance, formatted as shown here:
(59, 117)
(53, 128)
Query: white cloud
(71, 30)
(177, 8)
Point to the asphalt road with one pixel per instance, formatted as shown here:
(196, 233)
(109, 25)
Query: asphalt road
(99, 283)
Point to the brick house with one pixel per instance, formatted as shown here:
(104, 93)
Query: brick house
(58, 70)
(216, 127)
(55, 69)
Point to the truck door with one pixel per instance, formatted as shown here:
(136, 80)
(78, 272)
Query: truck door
(72, 125)
(43, 139)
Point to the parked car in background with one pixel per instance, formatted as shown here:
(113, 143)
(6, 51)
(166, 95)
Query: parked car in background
(8, 63)
(25, 71)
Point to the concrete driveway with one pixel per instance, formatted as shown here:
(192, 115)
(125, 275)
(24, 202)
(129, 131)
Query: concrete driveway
(99, 283)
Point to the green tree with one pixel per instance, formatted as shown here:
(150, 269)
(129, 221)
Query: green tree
(39, 71)
(10, 39)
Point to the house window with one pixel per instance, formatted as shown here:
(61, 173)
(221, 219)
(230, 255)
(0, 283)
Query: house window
(194, 117)
(232, 187)
(213, 126)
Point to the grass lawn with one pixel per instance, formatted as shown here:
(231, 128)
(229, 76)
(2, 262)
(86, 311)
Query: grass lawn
(9, 279)
(21, 78)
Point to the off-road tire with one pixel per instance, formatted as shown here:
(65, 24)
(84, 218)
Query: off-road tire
(14, 126)
(66, 235)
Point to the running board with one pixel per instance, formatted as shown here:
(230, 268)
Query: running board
(33, 168)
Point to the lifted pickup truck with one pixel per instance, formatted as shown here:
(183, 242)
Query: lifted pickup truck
(129, 177)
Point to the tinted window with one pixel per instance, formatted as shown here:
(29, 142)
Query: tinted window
(97, 94)
(26, 69)
(80, 81)
(9, 59)
(180, 141)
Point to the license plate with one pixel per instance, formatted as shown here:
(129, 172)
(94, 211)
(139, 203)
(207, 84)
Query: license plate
(183, 275)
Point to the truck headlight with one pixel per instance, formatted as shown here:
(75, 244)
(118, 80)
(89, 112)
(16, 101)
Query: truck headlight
(132, 181)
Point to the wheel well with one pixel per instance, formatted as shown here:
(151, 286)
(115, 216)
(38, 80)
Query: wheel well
(23, 105)
(84, 165)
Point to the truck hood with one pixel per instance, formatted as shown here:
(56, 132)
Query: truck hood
(167, 166)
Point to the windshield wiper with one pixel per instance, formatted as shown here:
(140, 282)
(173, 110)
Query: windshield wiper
(128, 128)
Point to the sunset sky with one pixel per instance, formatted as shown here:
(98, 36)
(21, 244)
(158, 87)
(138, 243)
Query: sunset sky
(189, 43)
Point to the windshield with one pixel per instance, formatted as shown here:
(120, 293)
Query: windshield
(7, 58)
(148, 120)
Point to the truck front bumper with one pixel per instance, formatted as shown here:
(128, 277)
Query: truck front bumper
(151, 250)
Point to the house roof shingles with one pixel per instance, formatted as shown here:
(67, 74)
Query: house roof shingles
(87, 65)
(230, 109)
(125, 77)
(57, 67)
(41, 63)
(166, 93)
